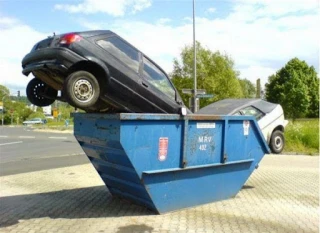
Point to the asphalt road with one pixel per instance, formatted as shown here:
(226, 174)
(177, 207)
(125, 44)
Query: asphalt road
(22, 149)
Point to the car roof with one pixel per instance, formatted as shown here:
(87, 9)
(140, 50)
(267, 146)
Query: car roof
(111, 33)
(231, 106)
(94, 33)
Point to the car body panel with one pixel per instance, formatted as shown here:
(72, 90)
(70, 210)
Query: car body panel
(231, 106)
(271, 117)
(33, 121)
(272, 120)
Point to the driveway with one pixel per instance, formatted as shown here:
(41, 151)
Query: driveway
(281, 196)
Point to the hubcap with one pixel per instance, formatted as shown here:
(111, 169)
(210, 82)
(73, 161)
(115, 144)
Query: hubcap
(278, 142)
(83, 90)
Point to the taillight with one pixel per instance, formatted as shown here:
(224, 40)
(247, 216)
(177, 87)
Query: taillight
(69, 39)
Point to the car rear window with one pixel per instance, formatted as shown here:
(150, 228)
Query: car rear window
(251, 111)
(122, 51)
(43, 44)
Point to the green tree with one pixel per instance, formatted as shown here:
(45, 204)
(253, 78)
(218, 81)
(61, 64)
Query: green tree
(313, 85)
(15, 108)
(39, 109)
(17, 111)
(248, 88)
(4, 91)
(36, 115)
(296, 88)
(65, 110)
(215, 74)
(296, 99)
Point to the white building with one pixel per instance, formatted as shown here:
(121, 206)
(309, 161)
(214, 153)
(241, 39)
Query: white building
(47, 110)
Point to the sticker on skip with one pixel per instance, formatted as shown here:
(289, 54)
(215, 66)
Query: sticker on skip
(246, 126)
(163, 148)
(206, 125)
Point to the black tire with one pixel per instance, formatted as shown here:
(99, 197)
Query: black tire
(277, 142)
(81, 89)
(40, 94)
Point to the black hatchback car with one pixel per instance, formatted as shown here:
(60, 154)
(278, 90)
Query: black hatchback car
(98, 71)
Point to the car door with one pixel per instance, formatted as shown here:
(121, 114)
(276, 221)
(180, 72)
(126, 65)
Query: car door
(123, 62)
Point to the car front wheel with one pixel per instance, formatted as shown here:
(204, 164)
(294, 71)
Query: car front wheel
(82, 89)
(40, 94)
(277, 142)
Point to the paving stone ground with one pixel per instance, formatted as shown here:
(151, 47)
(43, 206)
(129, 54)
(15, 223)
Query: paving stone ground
(281, 196)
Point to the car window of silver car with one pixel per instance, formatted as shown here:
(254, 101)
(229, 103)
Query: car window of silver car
(251, 111)
(121, 51)
(157, 78)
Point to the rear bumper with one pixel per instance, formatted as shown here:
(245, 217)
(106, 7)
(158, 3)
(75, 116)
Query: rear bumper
(58, 59)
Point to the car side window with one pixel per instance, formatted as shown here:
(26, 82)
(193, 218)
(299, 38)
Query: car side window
(121, 51)
(251, 111)
(157, 78)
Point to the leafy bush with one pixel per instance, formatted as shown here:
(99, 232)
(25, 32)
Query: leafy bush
(36, 115)
(15, 110)
(302, 136)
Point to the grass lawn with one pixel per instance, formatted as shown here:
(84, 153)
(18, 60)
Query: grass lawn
(55, 125)
(302, 136)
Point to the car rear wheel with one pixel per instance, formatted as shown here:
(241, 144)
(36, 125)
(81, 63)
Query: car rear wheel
(277, 142)
(40, 94)
(82, 89)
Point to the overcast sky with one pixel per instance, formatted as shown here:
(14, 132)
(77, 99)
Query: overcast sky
(260, 36)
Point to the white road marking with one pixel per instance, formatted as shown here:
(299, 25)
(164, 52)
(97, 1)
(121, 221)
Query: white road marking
(55, 156)
(3, 136)
(58, 137)
(45, 157)
(10, 143)
(27, 137)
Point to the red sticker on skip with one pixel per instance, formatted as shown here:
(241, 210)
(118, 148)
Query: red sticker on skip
(163, 149)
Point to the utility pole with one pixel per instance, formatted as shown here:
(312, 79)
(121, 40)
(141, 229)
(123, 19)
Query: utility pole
(258, 94)
(195, 107)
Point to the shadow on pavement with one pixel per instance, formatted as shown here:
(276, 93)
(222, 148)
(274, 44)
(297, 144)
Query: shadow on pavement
(135, 228)
(247, 187)
(92, 202)
(39, 164)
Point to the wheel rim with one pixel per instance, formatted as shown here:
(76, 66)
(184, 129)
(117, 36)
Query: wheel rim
(278, 142)
(37, 90)
(83, 90)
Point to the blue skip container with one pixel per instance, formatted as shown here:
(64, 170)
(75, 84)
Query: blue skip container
(168, 162)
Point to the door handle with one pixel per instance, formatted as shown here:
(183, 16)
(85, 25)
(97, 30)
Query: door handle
(144, 84)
